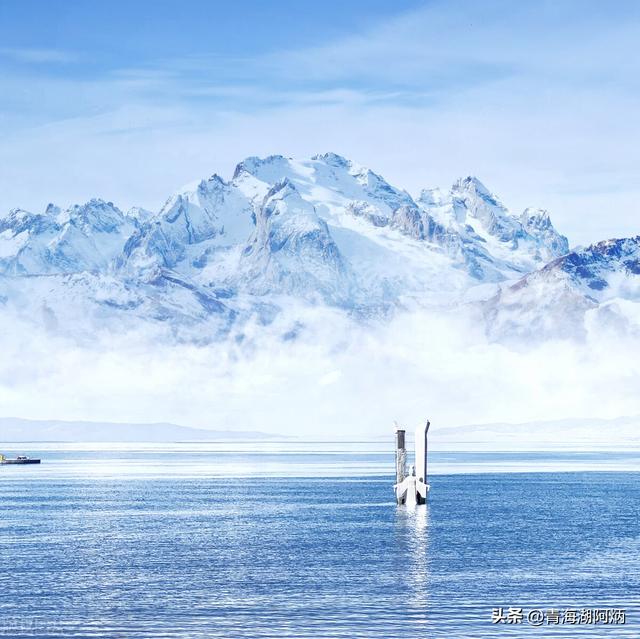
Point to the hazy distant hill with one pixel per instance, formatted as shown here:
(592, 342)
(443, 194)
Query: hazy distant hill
(20, 430)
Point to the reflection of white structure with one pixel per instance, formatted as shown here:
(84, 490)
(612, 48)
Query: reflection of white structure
(412, 488)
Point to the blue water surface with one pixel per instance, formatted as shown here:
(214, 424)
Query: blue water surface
(306, 541)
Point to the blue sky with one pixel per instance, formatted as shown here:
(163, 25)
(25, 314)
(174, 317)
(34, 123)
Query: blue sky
(128, 101)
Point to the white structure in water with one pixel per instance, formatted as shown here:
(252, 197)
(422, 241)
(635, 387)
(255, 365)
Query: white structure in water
(412, 488)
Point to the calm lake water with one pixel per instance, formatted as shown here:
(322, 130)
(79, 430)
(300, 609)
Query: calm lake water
(304, 540)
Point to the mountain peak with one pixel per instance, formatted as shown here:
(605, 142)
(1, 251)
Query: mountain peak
(252, 164)
(52, 210)
(95, 203)
(19, 220)
(472, 184)
(317, 229)
(17, 215)
(536, 218)
(615, 251)
(98, 215)
(214, 180)
(333, 159)
(212, 184)
(572, 294)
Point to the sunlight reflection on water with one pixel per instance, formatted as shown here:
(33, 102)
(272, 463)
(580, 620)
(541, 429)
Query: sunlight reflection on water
(300, 540)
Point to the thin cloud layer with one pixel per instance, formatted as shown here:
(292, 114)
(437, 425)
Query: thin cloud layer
(335, 380)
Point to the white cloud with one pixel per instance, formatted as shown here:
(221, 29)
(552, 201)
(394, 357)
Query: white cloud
(37, 56)
(337, 380)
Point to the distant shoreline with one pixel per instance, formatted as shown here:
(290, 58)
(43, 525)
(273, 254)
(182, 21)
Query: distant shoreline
(14, 429)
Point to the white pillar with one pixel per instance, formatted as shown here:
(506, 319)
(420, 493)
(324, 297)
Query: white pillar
(421, 452)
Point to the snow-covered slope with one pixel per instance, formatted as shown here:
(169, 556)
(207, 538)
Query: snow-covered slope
(494, 244)
(281, 232)
(291, 251)
(190, 229)
(597, 285)
(399, 248)
(82, 238)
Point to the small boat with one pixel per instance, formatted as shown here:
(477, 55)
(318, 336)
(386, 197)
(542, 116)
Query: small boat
(20, 459)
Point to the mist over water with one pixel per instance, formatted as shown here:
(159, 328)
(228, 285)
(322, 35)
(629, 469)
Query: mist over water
(337, 378)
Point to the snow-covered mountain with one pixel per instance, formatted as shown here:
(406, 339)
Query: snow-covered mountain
(283, 233)
(597, 286)
(82, 238)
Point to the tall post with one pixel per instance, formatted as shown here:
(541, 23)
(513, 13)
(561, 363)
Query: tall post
(401, 455)
(421, 452)
(426, 431)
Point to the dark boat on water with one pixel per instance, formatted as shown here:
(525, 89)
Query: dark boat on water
(20, 459)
